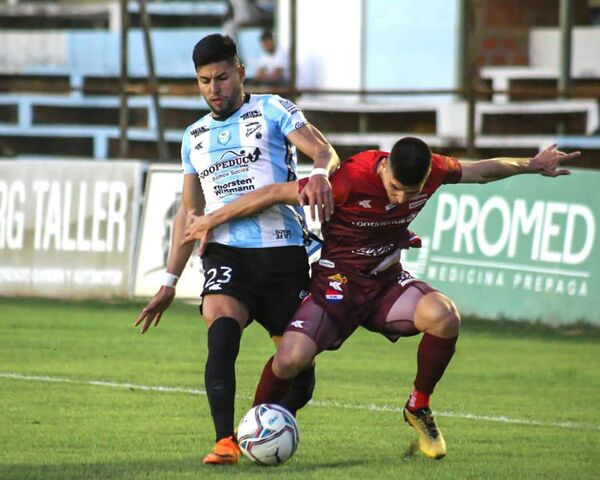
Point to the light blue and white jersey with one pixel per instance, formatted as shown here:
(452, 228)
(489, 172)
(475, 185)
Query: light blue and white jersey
(241, 153)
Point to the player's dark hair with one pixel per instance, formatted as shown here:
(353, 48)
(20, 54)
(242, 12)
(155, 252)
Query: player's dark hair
(410, 160)
(215, 48)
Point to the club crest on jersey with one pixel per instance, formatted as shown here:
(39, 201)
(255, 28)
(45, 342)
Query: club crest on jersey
(390, 206)
(224, 137)
(338, 277)
(333, 296)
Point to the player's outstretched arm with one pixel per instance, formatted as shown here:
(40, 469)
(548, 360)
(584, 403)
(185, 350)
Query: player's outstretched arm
(317, 193)
(244, 206)
(179, 254)
(547, 162)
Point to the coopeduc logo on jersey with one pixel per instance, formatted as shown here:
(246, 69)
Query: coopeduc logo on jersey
(235, 159)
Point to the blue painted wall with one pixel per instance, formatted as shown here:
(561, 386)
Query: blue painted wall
(410, 44)
(97, 52)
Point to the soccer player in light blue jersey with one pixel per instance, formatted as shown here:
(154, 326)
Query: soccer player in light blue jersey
(256, 268)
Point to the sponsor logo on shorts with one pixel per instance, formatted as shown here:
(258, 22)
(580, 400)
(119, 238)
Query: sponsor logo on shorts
(405, 278)
(297, 324)
(338, 277)
(333, 296)
(303, 294)
(326, 263)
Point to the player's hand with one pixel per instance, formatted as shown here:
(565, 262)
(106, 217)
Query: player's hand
(548, 161)
(319, 195)
(154, 310)
(197, 228)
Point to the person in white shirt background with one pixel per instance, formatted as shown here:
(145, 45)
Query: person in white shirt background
(272, 65)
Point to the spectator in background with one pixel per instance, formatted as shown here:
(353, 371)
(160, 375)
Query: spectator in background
(272, 65)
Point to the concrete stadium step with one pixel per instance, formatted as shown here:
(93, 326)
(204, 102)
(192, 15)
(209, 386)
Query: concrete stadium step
(531, 83)
(34, 83)
(46, 15)
(86, 115)
(566, 117)
(360, 116)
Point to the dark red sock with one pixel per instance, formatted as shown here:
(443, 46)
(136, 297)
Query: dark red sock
(417, 400)
(433, 356)
(271, 388)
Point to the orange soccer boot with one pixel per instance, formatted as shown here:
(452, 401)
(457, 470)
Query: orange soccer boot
(225, 452)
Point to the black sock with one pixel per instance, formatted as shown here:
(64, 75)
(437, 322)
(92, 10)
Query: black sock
(219, 375)
(300, 391)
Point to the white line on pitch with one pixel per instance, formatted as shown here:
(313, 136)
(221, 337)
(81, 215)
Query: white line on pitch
(315, 403)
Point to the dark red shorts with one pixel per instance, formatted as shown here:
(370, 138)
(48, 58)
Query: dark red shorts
(340, 302)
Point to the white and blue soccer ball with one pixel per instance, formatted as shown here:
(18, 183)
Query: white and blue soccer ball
(268, 434)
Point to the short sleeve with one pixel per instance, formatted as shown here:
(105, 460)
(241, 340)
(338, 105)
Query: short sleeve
(286, 114)
(340, 186)
(452, 169)
(185, 153)
(302, 183)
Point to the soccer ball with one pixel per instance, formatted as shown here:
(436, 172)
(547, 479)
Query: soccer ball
(268, 434)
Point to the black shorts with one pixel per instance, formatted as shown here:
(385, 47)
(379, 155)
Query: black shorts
(270, 282)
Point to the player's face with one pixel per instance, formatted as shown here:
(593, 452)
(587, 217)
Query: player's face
(221, 86)
(396, 191)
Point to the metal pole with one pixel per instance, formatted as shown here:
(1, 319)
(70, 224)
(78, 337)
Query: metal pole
(473, 10)
(293, 33)
(163, 154)
(123, 107)
(566, 25)
(464, 62)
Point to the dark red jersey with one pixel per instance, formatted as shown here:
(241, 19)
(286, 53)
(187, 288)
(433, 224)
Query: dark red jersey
(366, 227)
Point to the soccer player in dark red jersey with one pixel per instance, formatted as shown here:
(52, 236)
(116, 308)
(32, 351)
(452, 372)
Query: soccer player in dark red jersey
(359, 280)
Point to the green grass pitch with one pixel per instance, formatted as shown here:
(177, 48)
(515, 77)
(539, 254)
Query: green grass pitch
(517, 402)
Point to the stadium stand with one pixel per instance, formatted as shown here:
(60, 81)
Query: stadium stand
(69, 105)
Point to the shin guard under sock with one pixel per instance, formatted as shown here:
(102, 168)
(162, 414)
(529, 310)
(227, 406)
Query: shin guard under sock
(219, 375)
(300, 390)
(271, 388)
(433, 356)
